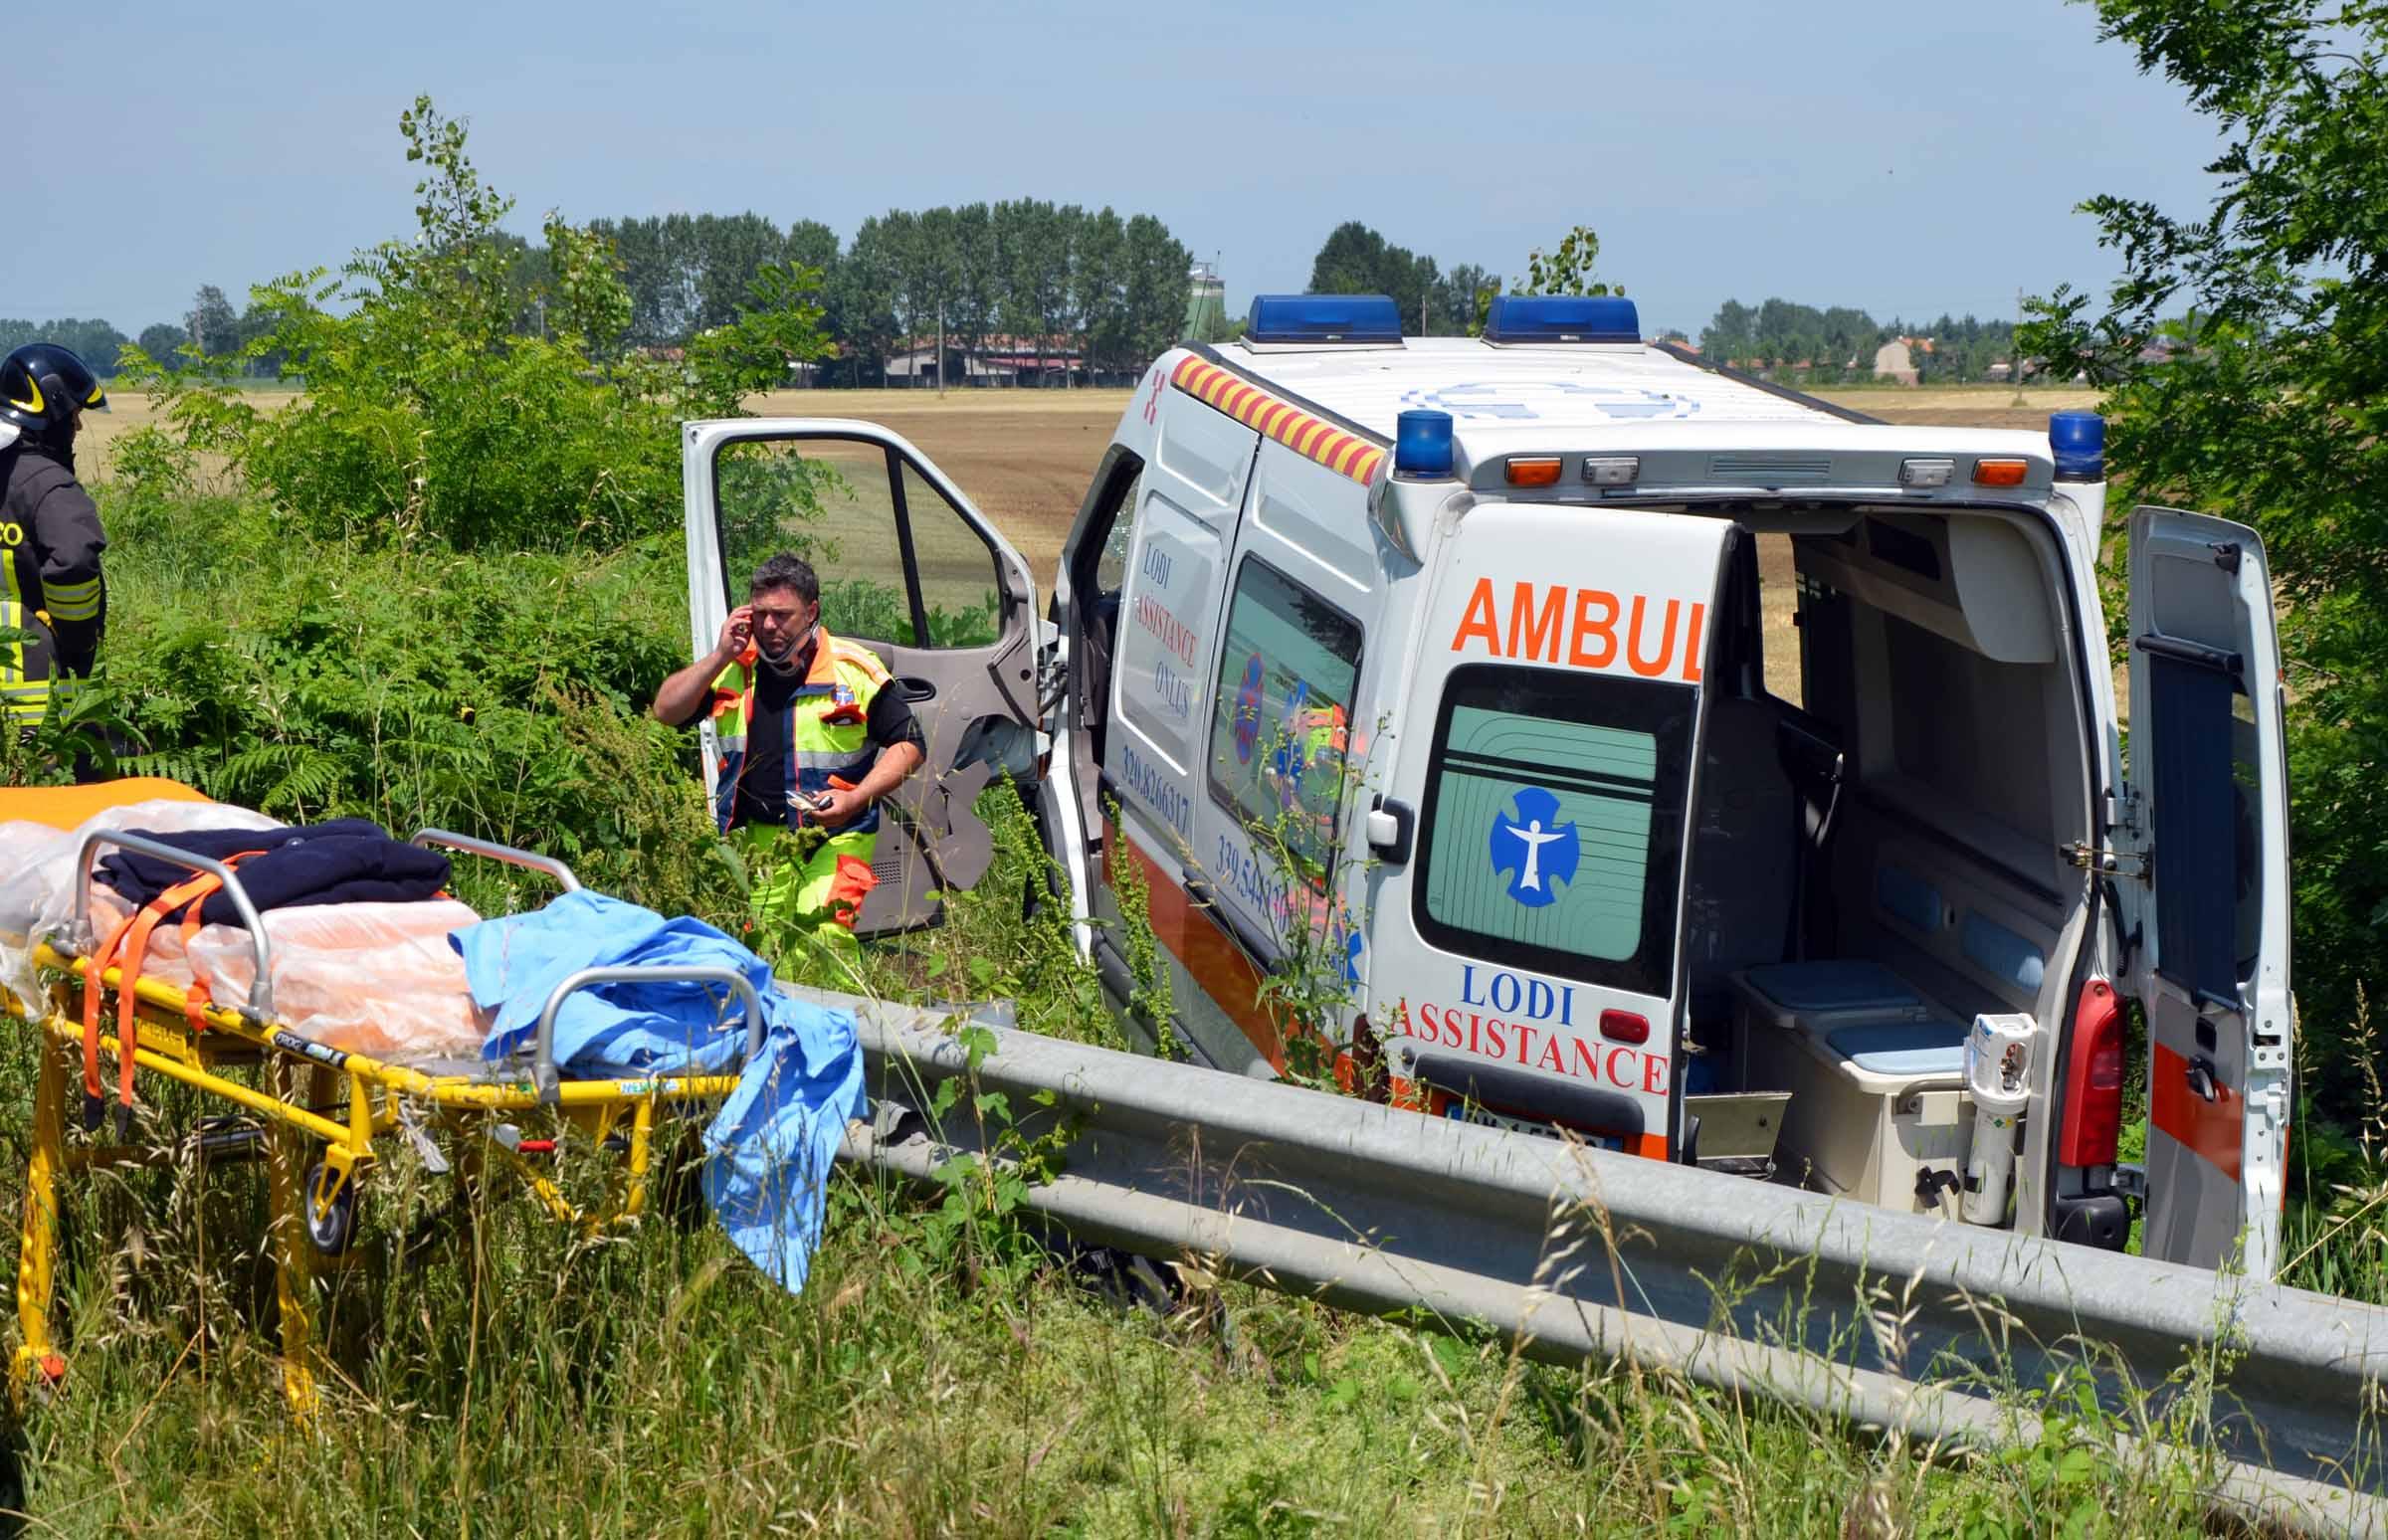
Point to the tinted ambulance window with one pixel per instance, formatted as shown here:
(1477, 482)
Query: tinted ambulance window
(1553, 822)
(1280, 718)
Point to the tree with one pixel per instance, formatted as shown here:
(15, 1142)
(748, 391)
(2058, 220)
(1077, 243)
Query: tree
(94, 341)
(428, 417)
(977, 279)
(1035, 238)
(863, 295)
(1098, 289)
(162, 340)
(1568, 269)
(730, 249)
(1462, 300)
(213, 324)
(1355, 260)
(1733, 336)
(2245, 355)
(1153, 266)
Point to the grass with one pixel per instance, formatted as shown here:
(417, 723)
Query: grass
(948, 1370)
(517, 1380)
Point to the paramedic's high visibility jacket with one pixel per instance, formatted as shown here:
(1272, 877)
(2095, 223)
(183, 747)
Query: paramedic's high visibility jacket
(829, 733)
(50, 545)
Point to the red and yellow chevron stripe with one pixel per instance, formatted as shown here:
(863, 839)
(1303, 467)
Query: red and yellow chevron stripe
(1296, 429)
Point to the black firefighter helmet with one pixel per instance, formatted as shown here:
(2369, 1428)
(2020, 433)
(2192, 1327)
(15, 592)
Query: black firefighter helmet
(43, 388)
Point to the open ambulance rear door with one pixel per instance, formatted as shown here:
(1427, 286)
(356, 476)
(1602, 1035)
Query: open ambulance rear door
(2209, 910)
(1527, 958)
(910, 568)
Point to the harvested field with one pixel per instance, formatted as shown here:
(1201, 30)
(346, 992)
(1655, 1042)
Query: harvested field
(1026, 456)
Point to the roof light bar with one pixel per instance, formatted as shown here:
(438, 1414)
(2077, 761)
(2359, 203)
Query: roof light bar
(1562, 318)
(1323, 319)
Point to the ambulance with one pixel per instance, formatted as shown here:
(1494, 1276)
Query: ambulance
(1643, 750)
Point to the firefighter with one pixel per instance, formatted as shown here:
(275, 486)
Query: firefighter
(812, 735)
(51, 594)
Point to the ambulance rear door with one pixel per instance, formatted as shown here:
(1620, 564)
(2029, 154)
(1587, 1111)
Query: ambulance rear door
(910, 568)
(2207, 904)
(1524, 935)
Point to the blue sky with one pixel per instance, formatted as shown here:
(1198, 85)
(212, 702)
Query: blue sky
(1904, 157)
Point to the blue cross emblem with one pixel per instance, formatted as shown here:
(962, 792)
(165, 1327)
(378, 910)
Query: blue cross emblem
(1536, 849)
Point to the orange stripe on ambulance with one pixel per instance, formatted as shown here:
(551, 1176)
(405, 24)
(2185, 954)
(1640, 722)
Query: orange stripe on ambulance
(1553, 623)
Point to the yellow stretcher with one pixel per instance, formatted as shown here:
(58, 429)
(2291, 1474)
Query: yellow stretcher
(321, 1111)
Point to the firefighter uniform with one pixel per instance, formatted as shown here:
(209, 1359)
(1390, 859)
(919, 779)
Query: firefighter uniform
(50, 585)
(835, 720)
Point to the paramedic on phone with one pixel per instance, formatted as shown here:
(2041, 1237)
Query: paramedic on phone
(812, 733)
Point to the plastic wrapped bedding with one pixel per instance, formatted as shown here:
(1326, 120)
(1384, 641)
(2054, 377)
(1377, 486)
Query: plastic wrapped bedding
(371, 978)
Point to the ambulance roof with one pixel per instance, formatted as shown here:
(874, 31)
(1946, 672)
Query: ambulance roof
(1481, 386)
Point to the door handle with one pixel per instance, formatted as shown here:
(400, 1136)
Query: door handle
(916, 688)
(2202, 1083)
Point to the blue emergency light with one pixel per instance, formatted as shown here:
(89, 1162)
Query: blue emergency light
(1562, 318)
(1323, 319)
(2077, 440)
(1421, 446)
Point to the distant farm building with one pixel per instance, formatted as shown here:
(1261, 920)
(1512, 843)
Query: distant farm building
(995, 361)
(1894, 361)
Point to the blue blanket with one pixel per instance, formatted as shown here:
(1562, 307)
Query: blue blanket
(769, 1148)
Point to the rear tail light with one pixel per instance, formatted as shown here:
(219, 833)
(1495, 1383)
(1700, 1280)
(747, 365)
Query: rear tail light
(1623, 1027)
(2093, 1124)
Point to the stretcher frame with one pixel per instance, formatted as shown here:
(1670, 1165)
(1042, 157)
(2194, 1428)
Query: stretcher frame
(304, 1094)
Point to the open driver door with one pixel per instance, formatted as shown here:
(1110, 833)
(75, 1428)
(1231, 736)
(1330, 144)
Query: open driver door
(2207, 906)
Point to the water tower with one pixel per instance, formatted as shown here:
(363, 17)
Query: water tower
(1205, 300)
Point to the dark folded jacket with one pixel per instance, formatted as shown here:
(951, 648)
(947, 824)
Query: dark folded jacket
(347, 861)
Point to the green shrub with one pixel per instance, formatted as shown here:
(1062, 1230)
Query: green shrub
(502, 696)
(462, 394)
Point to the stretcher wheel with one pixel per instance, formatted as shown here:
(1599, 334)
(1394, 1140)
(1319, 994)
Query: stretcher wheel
(333, 1228)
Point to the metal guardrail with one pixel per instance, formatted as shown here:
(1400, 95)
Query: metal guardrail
(1897, 1321)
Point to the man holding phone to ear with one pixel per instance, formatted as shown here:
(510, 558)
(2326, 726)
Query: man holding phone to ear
(811, 730)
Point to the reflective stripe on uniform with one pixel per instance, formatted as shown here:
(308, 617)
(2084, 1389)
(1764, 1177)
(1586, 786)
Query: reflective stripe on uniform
(73, 601)
(838, 761)
(25, 702)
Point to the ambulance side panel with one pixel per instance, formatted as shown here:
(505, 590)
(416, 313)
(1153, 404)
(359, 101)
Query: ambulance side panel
(1288, 727)
(1193, 491)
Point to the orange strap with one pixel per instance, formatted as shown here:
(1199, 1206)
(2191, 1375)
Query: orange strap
(137, 951)
(94, 967)
(127, 946)
(199, 996)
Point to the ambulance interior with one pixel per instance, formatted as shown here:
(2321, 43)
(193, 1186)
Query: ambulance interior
(1876, 841)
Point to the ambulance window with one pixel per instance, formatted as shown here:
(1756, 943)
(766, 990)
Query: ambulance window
(960, 594)
(1281, 716)
(1553, 822)
(830, 501)
(1111, 567)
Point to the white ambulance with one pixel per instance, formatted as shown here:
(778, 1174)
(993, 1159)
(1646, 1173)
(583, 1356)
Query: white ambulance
(1691, 764)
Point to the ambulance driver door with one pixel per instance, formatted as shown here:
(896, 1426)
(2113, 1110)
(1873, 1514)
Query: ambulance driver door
(1546, 769)
(912, 570)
